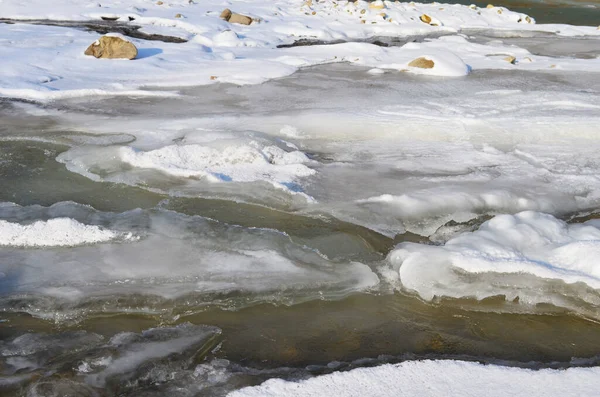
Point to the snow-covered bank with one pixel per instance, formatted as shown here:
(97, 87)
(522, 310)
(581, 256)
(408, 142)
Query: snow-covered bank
(436, 379)
(45, 63)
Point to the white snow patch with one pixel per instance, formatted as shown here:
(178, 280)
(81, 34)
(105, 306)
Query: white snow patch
(528, 243)
(435, 379)
(54, 233)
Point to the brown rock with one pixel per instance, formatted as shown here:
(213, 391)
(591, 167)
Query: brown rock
(422, 63)
(178, 16)
(377, 5)
(241, 19)
(425, 18)
(232, 17)
(226, 14)
(112, 47)
(510, 59)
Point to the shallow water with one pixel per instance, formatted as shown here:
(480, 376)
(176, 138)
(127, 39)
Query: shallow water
(572, 12)
(206, 286)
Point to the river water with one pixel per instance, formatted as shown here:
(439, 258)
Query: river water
(198, 244)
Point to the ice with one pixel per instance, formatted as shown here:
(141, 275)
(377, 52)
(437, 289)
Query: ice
(200, 159)
(132, 351)
(526, 244)
(240, 164)
(175, 256)
(435, 379)
(125, 361)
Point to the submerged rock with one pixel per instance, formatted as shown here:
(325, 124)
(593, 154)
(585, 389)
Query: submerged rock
(232, 17)
(112, 47)
(422, 63)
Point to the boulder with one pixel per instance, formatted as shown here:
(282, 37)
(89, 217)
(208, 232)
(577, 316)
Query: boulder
(425, 18)
(112, 47)
(226, 14)
(511, 59)
(422, 63)
(232, 17)
(377, 5)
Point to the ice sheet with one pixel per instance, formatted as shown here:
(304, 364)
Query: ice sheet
(174, 255)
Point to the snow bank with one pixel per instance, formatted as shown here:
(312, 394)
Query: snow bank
(57, 232)
(42, 62)
(436, 379)
(479, 264)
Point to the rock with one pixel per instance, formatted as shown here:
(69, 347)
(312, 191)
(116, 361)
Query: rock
(241, 19)
(232, 17)
(226, 14)
(112, 47)
(422, 63)
(490, 6)
(425, 18)
(377, 5)
(159, 3)
(178, 16)
(510, 59)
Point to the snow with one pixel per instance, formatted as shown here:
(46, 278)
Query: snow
(47, 63)
(57, 232)
(527, 243)
(435, 379)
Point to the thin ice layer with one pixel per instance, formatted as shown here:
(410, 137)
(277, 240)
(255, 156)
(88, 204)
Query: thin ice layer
(551, 261)
(436, 379)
